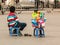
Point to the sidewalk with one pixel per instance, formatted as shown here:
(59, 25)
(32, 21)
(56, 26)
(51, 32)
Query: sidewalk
(52, 30)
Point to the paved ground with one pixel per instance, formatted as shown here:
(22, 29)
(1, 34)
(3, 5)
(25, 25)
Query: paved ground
(52, 30)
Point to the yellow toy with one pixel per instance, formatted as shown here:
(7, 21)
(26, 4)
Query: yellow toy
(34, 15)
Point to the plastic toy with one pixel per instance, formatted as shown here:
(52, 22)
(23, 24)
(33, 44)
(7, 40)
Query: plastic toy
(39, 22)
(41, 14)
(34, 22)
(34, 14)
(37, 18)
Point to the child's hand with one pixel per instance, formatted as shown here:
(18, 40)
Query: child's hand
(17, 19)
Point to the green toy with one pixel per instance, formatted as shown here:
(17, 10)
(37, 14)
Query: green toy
(41, 15)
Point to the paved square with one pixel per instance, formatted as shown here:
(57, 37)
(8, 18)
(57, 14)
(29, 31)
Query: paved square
(52, 30)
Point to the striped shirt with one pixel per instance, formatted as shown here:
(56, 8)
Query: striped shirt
(12, 20)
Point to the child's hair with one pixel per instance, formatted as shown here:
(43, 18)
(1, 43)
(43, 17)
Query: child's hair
(12, 9)
(35, 11)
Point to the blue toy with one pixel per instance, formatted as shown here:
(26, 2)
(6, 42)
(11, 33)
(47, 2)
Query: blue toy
(44, 19)
(34, 22)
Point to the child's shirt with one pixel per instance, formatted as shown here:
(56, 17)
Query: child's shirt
(12, 19)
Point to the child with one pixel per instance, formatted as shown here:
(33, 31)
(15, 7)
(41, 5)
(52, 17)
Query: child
(13, 20)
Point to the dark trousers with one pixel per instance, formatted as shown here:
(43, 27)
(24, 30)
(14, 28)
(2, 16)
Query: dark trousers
(21, 25)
